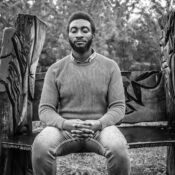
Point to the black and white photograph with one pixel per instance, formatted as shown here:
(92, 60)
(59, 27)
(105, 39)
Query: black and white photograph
(87, 87)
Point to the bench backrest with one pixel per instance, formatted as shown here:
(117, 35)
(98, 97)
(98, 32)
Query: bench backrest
(144, 94)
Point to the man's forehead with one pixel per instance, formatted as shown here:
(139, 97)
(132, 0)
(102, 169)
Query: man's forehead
(80, 23)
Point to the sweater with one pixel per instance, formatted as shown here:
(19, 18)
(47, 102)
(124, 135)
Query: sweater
(86, 91)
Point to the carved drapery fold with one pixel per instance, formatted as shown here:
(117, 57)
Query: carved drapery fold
(21, 47)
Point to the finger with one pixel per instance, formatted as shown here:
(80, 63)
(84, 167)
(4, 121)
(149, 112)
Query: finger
(87, 135)
(78, 126)
(76, 135)
(87, 131)
(88, 123)
(76, 131)
(82, 135)
(79, 136)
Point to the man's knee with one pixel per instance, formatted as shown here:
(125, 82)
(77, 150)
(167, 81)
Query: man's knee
(45, 142)
(115, 144)
(113, 138)
(39, 148)
(118, 149)
(118, 158)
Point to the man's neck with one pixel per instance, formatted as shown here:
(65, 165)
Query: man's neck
(82, 57)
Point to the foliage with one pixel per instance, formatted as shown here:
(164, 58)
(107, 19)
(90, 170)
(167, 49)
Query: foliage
(127, 30)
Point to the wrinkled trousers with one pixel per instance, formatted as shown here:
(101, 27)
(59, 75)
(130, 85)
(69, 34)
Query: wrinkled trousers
(52, 142)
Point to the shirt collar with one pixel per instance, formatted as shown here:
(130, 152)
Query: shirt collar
(88, 60)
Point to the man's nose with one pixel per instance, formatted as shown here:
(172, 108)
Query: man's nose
(79, 34)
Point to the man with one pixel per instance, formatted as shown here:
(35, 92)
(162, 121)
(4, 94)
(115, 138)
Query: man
(81, 101)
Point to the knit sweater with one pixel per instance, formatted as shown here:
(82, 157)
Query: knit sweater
(89, 91)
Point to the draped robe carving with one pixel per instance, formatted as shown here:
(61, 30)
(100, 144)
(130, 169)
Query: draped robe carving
(21, 47)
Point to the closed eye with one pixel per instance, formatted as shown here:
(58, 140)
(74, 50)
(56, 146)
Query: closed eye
(73, 30)
(85, 29)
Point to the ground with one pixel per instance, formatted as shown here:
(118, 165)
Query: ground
(144, 161)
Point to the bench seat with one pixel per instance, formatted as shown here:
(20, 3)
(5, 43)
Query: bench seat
(137, 136)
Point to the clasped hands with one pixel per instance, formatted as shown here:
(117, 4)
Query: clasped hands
(82, 129)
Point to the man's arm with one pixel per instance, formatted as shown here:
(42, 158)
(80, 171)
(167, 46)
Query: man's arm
(116, 99)
(49, 102)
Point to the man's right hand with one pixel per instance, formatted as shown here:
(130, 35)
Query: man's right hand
(82, 133)
(78, 128)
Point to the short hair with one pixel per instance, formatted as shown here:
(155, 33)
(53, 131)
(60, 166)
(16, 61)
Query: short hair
(81, 15)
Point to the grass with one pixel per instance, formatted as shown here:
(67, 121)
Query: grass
(144, 161)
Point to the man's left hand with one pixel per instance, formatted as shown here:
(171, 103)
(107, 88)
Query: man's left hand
(86, 129)
(95, 125)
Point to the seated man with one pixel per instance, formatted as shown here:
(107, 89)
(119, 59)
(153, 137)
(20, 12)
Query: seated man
(82, 100)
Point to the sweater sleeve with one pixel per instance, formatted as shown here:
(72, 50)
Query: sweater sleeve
(49, 102)
(116, 99)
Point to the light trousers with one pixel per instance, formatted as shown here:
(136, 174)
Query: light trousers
(52, 142)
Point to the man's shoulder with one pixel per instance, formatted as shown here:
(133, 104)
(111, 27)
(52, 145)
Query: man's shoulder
(105, 60)
(107, 64)
(61, 62)
(59, 65)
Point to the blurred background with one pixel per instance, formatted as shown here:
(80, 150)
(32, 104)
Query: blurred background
(127, 30)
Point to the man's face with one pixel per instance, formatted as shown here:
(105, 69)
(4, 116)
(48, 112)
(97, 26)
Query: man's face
(80, 35)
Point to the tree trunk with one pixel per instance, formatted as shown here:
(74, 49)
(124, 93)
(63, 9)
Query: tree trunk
(171, 149)
(167, 42)
(171, 160)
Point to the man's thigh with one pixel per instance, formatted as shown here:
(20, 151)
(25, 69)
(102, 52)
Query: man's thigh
(110, 136)
(58, 142)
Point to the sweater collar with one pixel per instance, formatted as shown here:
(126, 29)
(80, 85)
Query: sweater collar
(88, 60)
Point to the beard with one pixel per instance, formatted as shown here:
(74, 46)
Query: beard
(81, 49)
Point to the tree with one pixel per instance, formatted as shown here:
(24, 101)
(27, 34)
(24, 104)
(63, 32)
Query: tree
(127, 30)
